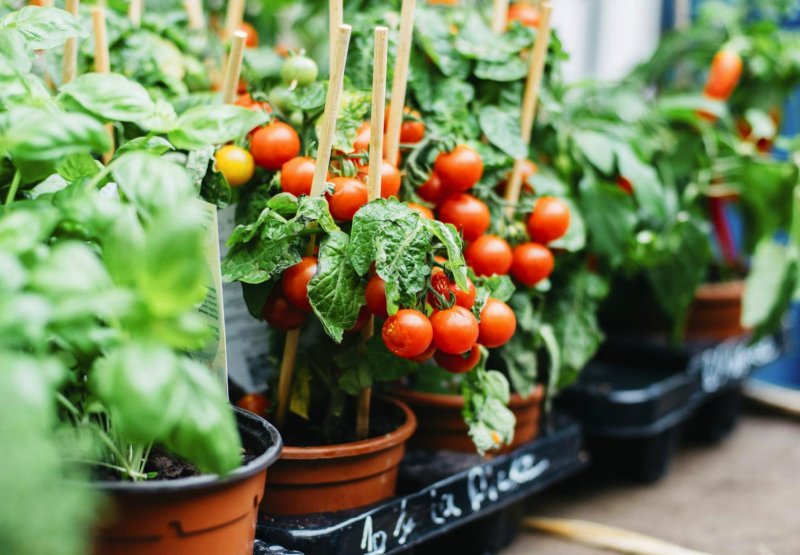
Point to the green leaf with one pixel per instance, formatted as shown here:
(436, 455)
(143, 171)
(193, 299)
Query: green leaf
(43, 28)
(13, 52)
(37, 135)
(213, 125)
(502, 129)
(151, 183)
(149, 144)
(451, 239)
(769, 287)
(597, 149)
(511, 69)
(77, 166)
(336, 291)
(610, 218)
(70, 268)
(432, 34)
(109, 96)
(647, 188)
(491, 423)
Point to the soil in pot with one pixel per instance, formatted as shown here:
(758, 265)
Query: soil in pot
(441, 425)
(194, 514)
(328, 478)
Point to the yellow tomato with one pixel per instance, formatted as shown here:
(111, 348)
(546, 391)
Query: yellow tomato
(236, 164)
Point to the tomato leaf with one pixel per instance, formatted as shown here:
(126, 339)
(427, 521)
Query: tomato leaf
(769, 287)
(597, 149)
(451, 239)
(647, 187)
(432, 34)
(502, 129)
(43, 28)
(609, 214)
(512, 69)
(486, 394)
(214, 124)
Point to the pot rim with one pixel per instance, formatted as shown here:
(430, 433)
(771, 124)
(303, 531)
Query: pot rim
(456, 401)
(362, 447)
(729, 291)
(255, 466)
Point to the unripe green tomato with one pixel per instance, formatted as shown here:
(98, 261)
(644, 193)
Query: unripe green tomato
(281, 98)
(296, 118)
(299, 68)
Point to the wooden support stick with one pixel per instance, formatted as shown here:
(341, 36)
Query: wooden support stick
(399, 81)
(233, 18)
(135, 12)
(70, 66)
(233, 67)
(374, 187)
(499, 15)
(317, 189)
(102, 63)
(532, 87)
(335, 20)
(194, 11)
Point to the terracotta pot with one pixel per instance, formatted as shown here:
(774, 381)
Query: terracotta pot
(442, 427)
(200, 514)
(715, 314)
(337, 477)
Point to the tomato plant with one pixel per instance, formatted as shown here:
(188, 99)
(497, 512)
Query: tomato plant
(459, 169)
(459, 364)
(347, 197)
(489, 255)
(549, 220)
(295, 282)
(468, 214)
(531, 263)
(408, 333)
(455, 330)
(273, 145)
(497, 324)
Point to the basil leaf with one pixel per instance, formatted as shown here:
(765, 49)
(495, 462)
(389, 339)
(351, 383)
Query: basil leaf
(42, 28)
(109, 96)
(14, 52)
(37, 135)
(151, 183)
(214, 124)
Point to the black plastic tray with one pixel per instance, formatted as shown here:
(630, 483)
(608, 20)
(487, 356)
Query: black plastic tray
(440, 492)
(635, 397)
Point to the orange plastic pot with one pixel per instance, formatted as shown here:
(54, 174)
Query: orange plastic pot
(337, 477)
(715, 314)
(187, 516)
(442, 427)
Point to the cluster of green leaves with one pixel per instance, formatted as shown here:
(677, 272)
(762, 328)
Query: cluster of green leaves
(486, 395)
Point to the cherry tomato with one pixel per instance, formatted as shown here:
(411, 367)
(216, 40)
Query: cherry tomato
(361, 321)
(431, 190)
(363, 137)
(459, 364)
(549, 220)
(489, 255)
(426, 355)
(297, 175)
(273, 145)
(459, 169)
(280, 313)
(424, 211)
(390, 178)
(254, 402)
(468, 214)
(375, 294)
(246, 101)
(528, 169)
(412, 130)
(348, 196)
(295, 282)
(532, 263)
(497, 325)
(283, 50)
(282, 98)
(301, 69)
(408, 333)
(252, 35)
(625, 184)
(235, 163)
(442, 285)
(525, 13)
(726, 68)
(455, 330)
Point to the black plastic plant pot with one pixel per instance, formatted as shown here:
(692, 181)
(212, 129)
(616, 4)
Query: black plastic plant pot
(464, 502)
(199, 514)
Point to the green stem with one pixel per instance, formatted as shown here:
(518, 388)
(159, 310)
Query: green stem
(114, 448)
(12, 191)
(119, 469)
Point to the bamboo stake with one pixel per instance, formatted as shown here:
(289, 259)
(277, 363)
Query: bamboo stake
(70, 65)
(499, 15)
(317, 189)
(374, 187)
(135, 10)
(194, 11)
(399, 80)
(532, 87)
(233, 67)
(102, 63)
(335, 20)
(233, 18)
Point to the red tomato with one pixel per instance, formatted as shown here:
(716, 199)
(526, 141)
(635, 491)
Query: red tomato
(497, 325)
(252, 35)
(549, 220)
(431, 190)
(455, 330)
(625, 184)
(442, 285)
(408, 333)
(489, 255)
(273, 145)
(255, 403)
(280, 313)
(426, 355)
(528, 169)
(295, 282)
(246, 101)
(459, 169)
(726, 69)
(348, 196)
(375, 294)
(297, 175)
(390, 178)
(532, 263)
(412, 130)
(363, 317)
(363, 137)
(459, 364)
(468, 214)
(525, 13)
(424, 211)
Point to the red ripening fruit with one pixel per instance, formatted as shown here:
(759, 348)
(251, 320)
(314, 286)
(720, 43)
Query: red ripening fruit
(273, 145)
(254, 402)
(280, 313)
(459, 364)
(625, 184)
(408, 333)
(726, 69)
(424, 211)
(348, 196)
(297, 175)
(246, 101)
(489, 255)
(497, 325)
(455, 330)
(532, 263)
(468, 214)
(252, 35)
(525, 13)
(363, 135)
(442, 285)
(390, 178)
(549, 220)
(295, 282)
(459, 169)
(375, 294)
(361, 321)
(431, 190)
(426, 355)
(412, 130)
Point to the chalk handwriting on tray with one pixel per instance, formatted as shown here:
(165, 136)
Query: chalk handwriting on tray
(485, 485)
(733, 360)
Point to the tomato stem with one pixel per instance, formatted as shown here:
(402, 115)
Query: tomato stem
(12, 191)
